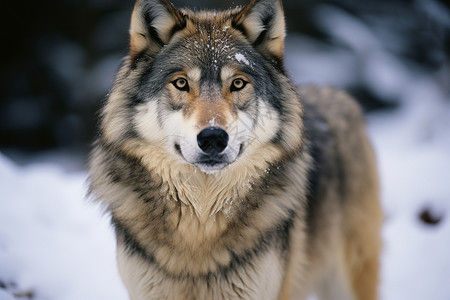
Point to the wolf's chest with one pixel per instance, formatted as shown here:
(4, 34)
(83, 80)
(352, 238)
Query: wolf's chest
(258, 278)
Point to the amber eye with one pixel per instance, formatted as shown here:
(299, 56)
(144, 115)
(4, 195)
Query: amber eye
(181, 84)
(238, 84)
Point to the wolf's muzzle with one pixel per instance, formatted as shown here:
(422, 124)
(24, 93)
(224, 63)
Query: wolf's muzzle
(212, 140)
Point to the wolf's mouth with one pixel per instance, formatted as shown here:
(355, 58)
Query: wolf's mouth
(211, 166)
(210, 163)
(178, 149)
(212, 160)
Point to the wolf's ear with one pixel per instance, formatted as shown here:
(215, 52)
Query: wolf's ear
(153, 24)
(262, 22)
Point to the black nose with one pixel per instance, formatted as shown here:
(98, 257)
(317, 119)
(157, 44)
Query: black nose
(212, 140)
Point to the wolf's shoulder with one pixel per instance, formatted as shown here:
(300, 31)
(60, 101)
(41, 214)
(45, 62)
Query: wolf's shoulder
(334, 106)
(330, 101)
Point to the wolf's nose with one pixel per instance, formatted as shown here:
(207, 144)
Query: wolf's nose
(212, 140)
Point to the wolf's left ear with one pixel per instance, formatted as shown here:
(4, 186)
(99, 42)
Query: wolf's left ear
(262, 22)
(153, 24)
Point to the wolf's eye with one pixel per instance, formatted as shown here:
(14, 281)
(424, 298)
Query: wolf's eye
(181, 84)
(238, 84)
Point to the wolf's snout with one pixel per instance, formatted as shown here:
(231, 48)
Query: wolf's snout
(212, 140)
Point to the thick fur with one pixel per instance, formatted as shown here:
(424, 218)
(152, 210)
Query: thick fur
(289, 208)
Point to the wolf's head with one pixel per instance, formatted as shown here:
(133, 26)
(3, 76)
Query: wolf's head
(209, 88)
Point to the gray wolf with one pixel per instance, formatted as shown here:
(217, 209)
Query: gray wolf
(225, 181)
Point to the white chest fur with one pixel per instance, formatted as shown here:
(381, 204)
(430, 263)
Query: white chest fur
(259, 279)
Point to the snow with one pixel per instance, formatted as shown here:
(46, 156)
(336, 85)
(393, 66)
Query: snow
(55, 244)
(241, 58)
(412, 145)
(413, 149)
(58, 246)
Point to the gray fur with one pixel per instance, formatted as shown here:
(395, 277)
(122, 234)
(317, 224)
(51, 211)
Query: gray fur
(299, 202)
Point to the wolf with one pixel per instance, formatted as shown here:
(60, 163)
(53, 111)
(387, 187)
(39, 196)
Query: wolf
(224, 180)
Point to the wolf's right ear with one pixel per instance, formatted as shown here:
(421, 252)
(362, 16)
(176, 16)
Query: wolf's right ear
(262, 22)
(153, 24)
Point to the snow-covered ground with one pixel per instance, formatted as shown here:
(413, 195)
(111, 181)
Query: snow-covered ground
(54, 245)
(413, 148)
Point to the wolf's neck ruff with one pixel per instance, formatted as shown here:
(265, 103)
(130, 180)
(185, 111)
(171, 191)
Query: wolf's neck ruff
(205, 194)
(212, 37)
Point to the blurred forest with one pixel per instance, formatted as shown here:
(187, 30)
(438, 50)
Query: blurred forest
(59, 58)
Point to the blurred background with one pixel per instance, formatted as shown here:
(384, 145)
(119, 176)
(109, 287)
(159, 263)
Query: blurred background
(60, 56)
(59, 61)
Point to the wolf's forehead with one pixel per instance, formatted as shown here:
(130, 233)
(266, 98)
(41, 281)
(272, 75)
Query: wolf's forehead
(213, 41)
(211, 47)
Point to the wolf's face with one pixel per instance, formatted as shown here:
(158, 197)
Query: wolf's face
(211, 101)
(207, 86)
